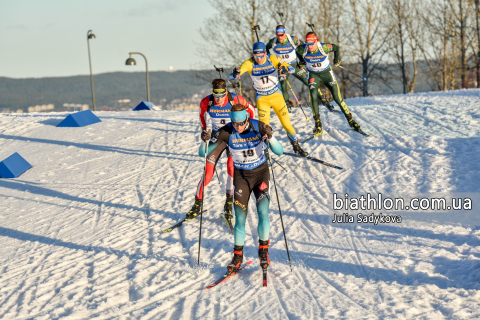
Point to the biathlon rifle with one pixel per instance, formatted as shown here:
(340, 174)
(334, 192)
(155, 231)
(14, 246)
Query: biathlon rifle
(255, 28)
(281, 16)
(312, 26)
(219, 70)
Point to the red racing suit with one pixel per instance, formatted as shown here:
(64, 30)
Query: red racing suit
(219, 116)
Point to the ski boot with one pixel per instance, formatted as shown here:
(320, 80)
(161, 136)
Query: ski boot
(227, 209)
(355, 126)
(298, 149)
(318, 126)
(195, 209)
(237, 259)
(323, 100)
(263, 253)
(329, 106)
(289, 105)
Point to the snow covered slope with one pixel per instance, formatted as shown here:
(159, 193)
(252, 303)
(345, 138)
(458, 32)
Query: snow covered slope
(80, 231)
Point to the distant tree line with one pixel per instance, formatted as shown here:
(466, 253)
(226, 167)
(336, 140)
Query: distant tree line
(109, 88)
(399, 45)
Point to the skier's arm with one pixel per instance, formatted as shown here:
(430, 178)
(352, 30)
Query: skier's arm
(266, 130)
(275, 146)
(297, 41)
(329, 47)
(299, 52)
(221, 137)
(248, 105)
(203, 112)
(269, 46)
(247, 66)
(277, 62)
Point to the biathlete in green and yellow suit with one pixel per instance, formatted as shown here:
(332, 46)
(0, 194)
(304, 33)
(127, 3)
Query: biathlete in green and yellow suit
(284, 46)
(315, 54)
(262, 67)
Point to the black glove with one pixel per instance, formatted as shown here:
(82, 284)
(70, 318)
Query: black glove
(265, 129)
(235, 72)
(205, 135)
(282, 70)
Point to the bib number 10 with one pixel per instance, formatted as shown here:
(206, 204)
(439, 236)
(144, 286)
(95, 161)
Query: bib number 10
(248, 153)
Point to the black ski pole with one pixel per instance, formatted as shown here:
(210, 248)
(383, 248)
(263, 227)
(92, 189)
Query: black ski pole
(364, 79)
(278, 162)
(278, 202)
(255, 28)
(201, 208)
(217, 176)
(298, 102)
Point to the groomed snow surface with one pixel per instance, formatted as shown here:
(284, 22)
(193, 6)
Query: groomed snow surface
(80, 231)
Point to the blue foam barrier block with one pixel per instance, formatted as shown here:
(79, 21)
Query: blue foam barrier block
(13, 166)
(79, 119)
(144, 105)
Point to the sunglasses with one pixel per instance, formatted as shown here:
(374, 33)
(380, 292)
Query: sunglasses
(219, 95)
(280, 34)
(239, 124)
(309, 43)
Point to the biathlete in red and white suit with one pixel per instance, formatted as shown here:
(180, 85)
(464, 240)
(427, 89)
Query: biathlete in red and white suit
(217, 106)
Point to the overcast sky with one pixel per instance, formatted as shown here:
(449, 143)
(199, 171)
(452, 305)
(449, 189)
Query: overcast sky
(45, 38)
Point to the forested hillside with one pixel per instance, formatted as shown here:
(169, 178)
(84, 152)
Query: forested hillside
(109, 88)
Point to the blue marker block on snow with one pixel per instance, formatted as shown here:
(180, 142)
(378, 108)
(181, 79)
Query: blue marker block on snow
(13, 166)
(145, 105)
(79, 119)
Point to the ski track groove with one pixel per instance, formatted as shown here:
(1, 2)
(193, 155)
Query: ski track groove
(343, 294)
(309, 291)
(123, 259)
(254, 233)
(303, 185)
(359, 262)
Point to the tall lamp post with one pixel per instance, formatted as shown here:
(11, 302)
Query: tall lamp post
(90, 35)
(131, 62)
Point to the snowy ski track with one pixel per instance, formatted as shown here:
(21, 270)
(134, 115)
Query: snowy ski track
(81, 230)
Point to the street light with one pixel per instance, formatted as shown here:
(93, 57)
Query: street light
(90, 35)
(131, 62)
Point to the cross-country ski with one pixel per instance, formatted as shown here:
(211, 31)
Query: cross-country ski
(180, 223)
(229, 274)
(314, 160)
(196, 160)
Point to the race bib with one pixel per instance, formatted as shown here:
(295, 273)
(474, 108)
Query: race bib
(248, 157)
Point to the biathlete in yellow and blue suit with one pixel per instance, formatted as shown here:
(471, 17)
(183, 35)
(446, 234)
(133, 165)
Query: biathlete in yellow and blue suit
(262, 67)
